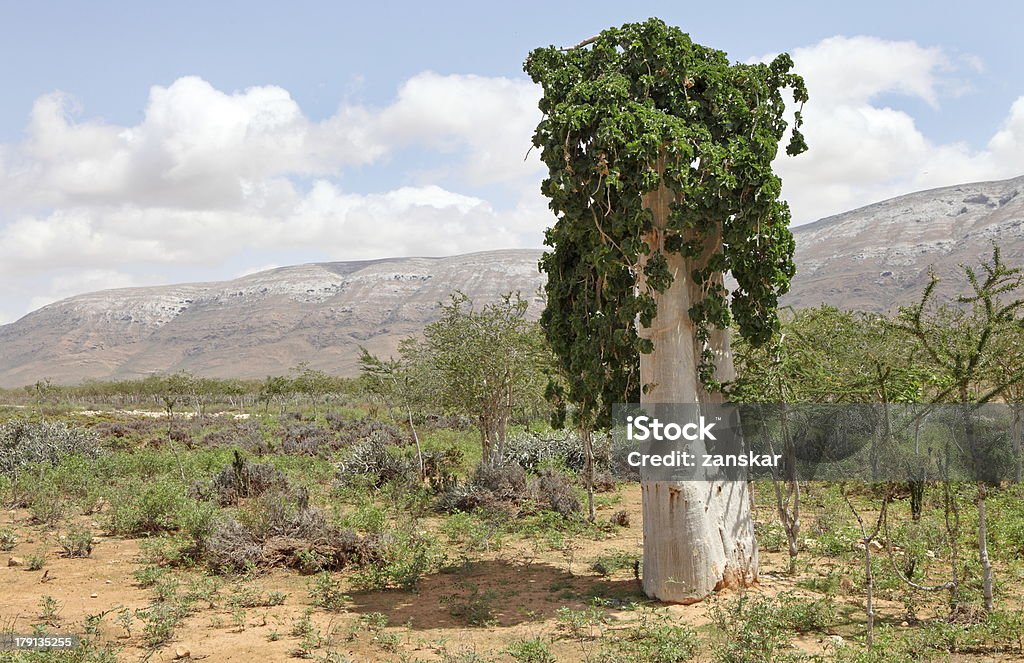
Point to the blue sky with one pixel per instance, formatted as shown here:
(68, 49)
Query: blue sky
(145, 143)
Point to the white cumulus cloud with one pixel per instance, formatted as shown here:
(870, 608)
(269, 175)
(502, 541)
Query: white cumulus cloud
(209, 177)
(201, 148)
(862, 150)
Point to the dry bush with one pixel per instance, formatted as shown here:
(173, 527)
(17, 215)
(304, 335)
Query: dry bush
(231, 548)
(506, 482)
(507, 488)
(466, 498)
(281, 529)
(440, 467)
(137, 428)
(353, 431)
(604, 482)
(552, 491)
(246, 435)
(307, 439)
(240, 479)
(531, 450)
(371, 460)
(24, 442)
(491, 487)
(445, 421)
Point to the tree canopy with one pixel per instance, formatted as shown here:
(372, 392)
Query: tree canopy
(625, 112)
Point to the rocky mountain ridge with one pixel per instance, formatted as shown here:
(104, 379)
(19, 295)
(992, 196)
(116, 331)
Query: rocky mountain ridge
(874, 258)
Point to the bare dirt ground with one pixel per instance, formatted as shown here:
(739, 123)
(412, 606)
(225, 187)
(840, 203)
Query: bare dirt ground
(523, 586)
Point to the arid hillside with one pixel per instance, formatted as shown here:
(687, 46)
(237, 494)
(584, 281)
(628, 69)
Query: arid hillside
(873, 258)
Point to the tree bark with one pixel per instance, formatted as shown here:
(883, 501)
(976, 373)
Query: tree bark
(698, 535)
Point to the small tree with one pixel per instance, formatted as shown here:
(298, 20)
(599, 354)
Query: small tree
(171, 391)
(488, 363)
(800, 365)
(274, 388)
(394, 380)
(961, 344)
(1009, 362)
(312, 383)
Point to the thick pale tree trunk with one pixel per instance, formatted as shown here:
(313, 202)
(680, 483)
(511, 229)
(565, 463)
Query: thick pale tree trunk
(698, 535)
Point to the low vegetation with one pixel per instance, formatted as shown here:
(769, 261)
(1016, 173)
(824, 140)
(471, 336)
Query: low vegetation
(336, 519)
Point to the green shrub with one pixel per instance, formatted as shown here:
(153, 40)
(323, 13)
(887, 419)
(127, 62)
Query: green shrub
(198, 520)
(374, 624)
(366, 517)
(751, 628)
(146, 509)
(1006, 528)
(804, 614)
(828, 584)
(583, 624)
(46, 504)
(406, 555)
(160, 620)
(836, 543)
(36, 561)
(8, 539)
(1004, 631)
(771, 536)
(654, 639)
(890, 646)
(148, 576)
(76, 542)
(49, 610)
(531, 650)
(473, 606)
(479, 531)
(620, 560)
(326, 593)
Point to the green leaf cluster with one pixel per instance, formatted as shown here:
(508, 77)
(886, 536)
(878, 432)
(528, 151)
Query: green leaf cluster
(614, 108)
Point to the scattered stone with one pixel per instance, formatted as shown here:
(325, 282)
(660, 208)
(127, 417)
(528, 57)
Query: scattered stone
(181, 653)
(15, 561)
(93, 595)
(904, 624)
(836, 639)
